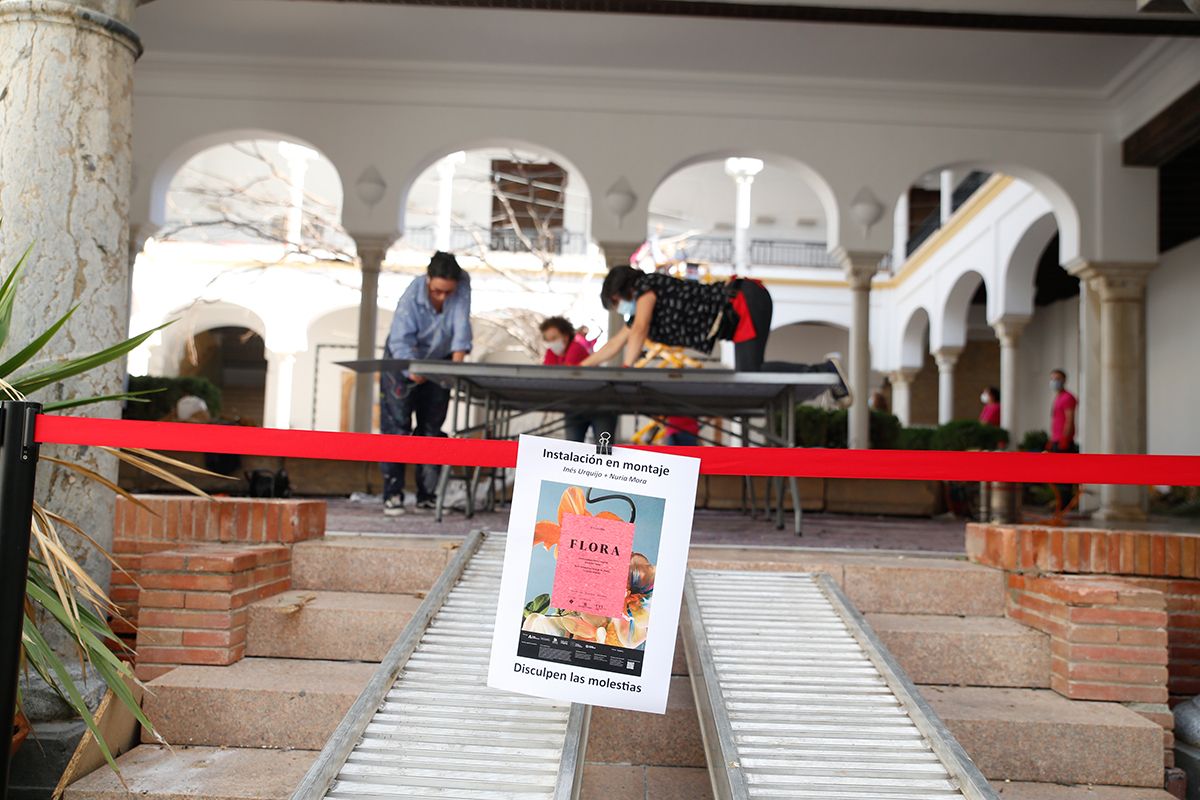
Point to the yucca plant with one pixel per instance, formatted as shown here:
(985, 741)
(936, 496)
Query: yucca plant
(58, 590)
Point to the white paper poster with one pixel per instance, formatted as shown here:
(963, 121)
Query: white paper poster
(593, 574)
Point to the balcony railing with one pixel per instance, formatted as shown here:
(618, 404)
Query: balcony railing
(763, 252)
(933, 221)
(559, 242)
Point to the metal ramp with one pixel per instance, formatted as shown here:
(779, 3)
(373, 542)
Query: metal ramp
(428, 726)
(799, 699)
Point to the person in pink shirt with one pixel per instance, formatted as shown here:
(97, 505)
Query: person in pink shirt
(990, 415)
(565, 348)
(1062, 416)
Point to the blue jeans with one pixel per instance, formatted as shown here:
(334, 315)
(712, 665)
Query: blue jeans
(576, 426)
(399, 401)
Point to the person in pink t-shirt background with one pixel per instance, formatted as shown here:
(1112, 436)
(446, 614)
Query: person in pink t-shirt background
(990, 415)
(565, 347)
(1062, 415)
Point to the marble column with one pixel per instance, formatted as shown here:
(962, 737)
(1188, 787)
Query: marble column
(446, 168)
(617, 254)
(277, 404)
(946, 183)
(66, 89)
(860, 268)
(946, 358)
(1008, 330)
(901, 381)
(900, 232)
(371, 252)
(742, 170)
(1120, 289)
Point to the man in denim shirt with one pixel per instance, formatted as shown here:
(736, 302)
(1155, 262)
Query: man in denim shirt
(432, 321)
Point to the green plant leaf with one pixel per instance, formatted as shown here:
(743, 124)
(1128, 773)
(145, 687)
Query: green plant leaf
(41, 378)
(38, 650)
(133, 397)
(34, 347)
(8, 293)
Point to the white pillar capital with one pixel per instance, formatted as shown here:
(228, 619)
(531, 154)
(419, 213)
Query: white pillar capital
(859, 266)
(617, 254)
(946, 358)
(372, 249)
(743, 169)
(904, 375)
(1114, 281)
(1009, 328)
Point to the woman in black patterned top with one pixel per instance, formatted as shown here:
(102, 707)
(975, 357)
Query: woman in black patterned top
(683, 313)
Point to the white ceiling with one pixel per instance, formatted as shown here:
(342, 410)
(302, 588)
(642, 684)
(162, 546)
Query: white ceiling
(380, 32)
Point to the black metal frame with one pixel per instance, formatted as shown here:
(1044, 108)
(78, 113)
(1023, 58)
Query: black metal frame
(18, 468)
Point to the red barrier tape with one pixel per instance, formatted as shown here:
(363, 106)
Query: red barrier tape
(767, 461)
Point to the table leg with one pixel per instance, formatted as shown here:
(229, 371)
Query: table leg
(439, 503)
(789, 424)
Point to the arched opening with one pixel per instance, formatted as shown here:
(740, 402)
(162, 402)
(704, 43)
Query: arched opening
(321, 382)
(936, 196)
(516, 203)
(807, 342)
(261, 197)
(744, 212)
(234, 360)
(1050, 341)
(965, 357)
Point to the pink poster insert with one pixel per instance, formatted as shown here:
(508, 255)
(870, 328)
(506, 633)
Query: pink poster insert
(592, 574)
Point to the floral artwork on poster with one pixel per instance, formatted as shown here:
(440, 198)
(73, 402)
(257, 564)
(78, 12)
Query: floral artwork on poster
(562, 531)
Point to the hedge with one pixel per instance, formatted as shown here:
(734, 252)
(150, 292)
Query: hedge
(819, 427)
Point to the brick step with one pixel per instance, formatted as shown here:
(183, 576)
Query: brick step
(153, 772)
(1053, 791)
(257, 702)
(335, 626)
(657, 740)
(1039, 736)
(966, 651)
(400, 565)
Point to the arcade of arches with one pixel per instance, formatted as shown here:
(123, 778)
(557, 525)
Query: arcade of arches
(939, 245)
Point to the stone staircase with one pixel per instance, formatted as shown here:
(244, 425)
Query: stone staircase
(248, 731)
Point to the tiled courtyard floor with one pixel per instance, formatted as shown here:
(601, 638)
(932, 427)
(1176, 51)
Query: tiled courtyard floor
(711, 528)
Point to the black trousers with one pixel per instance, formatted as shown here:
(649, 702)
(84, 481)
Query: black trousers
(748, 356)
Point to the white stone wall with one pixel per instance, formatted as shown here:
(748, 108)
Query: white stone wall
(1173, 343)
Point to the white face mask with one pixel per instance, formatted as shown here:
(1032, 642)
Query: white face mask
(558, 347)
(1056, 385)
(984, 398)
(626, 308)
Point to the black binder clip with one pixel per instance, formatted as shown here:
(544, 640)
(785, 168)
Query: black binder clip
(604, 444)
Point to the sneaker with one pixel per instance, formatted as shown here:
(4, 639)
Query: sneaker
(393, 507)
(426, 505)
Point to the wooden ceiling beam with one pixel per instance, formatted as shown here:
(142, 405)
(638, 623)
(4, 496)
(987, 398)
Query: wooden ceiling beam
(1148, 25)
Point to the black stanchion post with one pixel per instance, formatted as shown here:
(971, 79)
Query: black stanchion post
(18, 466)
